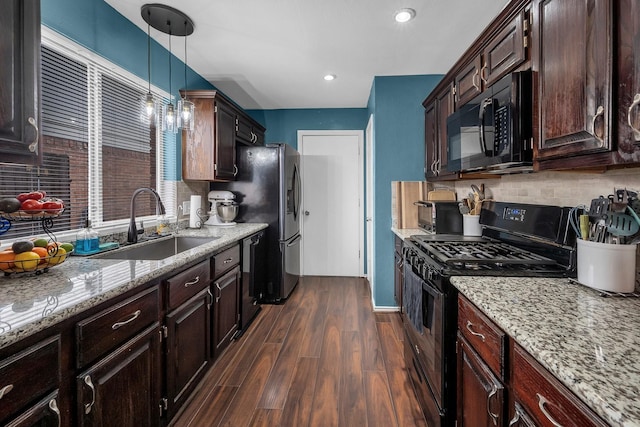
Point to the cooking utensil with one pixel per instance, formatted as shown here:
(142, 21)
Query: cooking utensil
(464, 208)
(622, 224)
(477, 191)
(584, 227)
(598, 208)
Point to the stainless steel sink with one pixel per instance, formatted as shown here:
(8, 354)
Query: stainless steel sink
(156, 249)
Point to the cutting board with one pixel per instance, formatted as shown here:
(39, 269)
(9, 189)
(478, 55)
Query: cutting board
(409, 192)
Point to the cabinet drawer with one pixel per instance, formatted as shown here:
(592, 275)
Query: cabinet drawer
(111, 327)
(184, 285)
(483, 335)
(226, 259)
(547, 400)
(29, 375)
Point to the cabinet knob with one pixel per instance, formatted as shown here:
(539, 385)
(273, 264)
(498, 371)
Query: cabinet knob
(306, 213)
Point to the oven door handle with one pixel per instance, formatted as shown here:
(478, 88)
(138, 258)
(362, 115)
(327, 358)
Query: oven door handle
(431, 290)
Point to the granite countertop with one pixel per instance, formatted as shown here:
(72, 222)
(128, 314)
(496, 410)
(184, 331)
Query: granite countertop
(405, 233)
(30, 303)
(589, 342)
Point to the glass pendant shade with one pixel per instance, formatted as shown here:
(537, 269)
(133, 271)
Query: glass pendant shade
(169, 118)
(186, 114)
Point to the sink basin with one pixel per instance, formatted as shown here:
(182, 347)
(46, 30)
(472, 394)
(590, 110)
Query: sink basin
(157, 249)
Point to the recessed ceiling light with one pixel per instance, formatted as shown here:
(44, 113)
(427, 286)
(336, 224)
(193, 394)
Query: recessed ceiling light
(330, 77)
(405, 15)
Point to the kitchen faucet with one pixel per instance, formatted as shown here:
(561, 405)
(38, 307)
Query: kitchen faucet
(132, 233)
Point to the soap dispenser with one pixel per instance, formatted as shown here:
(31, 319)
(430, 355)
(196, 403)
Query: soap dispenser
(87, 241)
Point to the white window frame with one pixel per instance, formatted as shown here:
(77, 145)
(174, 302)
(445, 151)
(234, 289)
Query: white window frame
(96, 66)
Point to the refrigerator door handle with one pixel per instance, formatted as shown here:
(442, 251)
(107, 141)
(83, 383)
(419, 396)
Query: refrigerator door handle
(294, 241)
(298, 192)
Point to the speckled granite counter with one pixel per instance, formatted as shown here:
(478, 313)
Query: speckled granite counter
(405, 233)
(30, 303)
(590, 343)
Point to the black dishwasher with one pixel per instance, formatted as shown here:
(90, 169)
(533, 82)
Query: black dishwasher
(253, 277)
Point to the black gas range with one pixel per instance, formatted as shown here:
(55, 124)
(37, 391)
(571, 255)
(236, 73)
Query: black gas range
(520, 240)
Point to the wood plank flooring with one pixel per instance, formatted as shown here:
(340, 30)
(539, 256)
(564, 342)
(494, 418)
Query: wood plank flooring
(323, 358)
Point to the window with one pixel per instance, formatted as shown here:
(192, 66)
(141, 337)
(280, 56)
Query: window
(97, 151)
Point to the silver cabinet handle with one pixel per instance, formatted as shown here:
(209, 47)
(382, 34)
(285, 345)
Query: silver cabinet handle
(88, 406)
(482, 76)
(417, 349)
(193, 282)
(599, 112)
(636, 131)
(219, 292)
(477, 334)
(5, 390)
(515, 419)
(473, 79)
(134, 316)
(53, 405)
(494, 417)
(33, 147)
(227, 261)
(541, 402)
(209, 299)
(235, 170)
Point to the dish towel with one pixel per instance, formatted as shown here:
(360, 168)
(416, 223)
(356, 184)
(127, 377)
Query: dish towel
(412, 297)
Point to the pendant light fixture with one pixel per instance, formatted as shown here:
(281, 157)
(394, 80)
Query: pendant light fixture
(175, 23)
(168, 110)
(148, 102)
(186, 109)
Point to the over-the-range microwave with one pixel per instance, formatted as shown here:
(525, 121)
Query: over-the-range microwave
(493, 132)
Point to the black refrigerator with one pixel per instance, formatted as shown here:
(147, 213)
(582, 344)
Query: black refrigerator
(268, 189)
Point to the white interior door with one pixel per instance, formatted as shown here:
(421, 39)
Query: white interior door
(370, 196)
(332, 220)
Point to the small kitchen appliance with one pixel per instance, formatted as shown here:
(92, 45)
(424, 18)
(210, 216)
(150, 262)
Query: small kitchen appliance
(222, 201)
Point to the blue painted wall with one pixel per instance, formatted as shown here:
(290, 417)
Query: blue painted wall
(283, 125)
(398, 155)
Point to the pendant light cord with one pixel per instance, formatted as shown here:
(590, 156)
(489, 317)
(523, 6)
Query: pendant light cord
(149, 49)
(169, 62)
(185, 60)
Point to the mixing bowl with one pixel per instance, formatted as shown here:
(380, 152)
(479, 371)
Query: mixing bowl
(227, 211)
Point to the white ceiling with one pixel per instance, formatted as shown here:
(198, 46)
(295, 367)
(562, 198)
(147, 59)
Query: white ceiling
(273, 54)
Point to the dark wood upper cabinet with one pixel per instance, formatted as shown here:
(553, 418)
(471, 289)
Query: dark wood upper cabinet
(506, 50)
(445, 108)
(435, 135)
(574, 65)
(20, 82)
(430, 140)
(468, 83)
(209, 151)
(628, 88)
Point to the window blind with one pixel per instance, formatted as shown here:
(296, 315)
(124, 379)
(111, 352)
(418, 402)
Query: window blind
(96, 150)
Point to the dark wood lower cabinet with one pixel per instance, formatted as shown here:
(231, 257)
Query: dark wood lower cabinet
(226, 309)
(481, 395)
(43, 414)
(123, 388)
(187, 348)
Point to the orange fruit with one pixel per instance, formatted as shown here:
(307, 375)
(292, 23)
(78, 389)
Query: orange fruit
(42, 252)
(26, 261)
(6, 259)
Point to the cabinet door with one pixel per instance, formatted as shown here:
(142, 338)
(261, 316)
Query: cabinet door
(628, 69)
(226, 309)
(468, 82)
(225, 161)
(187, 348)
(43, 414)
(574, 76)
(481, 396)
(123, 388)
(430, 140)
(445, 108)
(505, 51)
(20, 82)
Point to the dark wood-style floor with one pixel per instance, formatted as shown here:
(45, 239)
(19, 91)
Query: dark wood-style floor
(323, 358)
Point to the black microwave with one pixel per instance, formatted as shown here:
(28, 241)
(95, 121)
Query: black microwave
(493, 132)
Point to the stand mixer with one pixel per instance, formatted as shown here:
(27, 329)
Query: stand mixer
(221, 198)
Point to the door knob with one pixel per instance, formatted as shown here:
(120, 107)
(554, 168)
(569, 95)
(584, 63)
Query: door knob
(306, 213)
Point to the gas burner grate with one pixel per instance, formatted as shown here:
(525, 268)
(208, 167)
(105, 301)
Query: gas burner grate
(472, 254)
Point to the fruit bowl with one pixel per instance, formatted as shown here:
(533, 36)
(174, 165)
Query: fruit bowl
(22, 215)
(29, 263)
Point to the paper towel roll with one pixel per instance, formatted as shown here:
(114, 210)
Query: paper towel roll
(194, 219)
